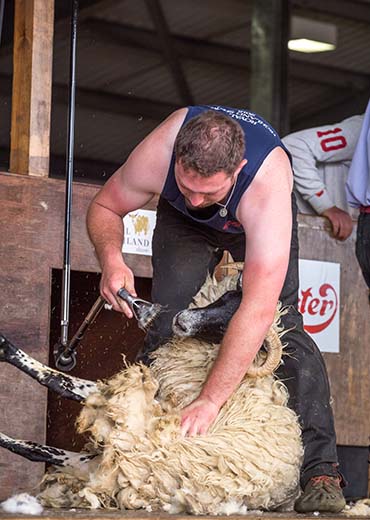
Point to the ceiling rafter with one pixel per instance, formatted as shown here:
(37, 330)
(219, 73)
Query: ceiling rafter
(169, 51)
(104, 101)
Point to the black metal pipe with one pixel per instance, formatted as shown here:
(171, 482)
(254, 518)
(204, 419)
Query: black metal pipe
(2, 6)
(69, 178)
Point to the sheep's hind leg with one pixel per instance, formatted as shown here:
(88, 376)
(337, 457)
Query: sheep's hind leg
(64, 385)
(41, 453)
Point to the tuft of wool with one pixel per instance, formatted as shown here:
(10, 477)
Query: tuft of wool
(22, 503)
(359, 508)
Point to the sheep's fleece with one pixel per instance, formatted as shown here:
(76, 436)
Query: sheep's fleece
(250, 458)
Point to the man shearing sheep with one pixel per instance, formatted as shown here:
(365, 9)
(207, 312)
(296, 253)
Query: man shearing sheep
(225, 183)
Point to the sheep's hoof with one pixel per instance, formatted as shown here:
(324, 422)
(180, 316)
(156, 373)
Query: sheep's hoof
(6, 348)
(3, 348)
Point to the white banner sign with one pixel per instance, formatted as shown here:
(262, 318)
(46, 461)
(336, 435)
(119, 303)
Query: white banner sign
(139, 226)
(319, 302)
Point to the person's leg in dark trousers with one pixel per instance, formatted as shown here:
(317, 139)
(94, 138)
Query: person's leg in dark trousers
(304, 373)
(182, 257)
(363, 246)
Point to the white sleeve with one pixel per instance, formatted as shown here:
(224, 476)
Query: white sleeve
(325, 144)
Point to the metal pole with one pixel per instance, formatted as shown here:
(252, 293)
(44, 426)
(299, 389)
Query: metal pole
(69, 178)
(2, 6)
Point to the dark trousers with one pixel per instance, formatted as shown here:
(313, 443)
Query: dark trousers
(183, 253)
(363, 245)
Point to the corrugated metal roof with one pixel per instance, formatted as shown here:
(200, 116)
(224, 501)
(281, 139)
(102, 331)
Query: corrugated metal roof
(155, 83)
(215, 84)
(125, 68)
(115, 69)
(130, 12)
(99, 135)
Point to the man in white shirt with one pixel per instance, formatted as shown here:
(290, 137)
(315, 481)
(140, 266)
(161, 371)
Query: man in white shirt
(321, 160)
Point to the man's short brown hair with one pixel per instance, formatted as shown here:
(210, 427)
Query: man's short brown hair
(209, 143)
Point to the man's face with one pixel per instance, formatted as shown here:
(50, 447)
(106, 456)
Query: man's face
(201, 192)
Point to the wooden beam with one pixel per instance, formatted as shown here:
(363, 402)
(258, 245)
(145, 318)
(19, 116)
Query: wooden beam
(85, 170)
(32, 78)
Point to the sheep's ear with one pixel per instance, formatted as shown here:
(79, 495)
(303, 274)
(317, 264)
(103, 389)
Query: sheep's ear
(42, 453)
(64, 385)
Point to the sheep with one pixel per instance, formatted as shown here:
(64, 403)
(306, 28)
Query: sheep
(137, 458)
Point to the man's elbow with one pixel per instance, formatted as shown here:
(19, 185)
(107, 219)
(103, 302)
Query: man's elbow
(95, 214)
(263, 314)
(91, 211)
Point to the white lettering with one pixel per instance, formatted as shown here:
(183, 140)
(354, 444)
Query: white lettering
(246, 116)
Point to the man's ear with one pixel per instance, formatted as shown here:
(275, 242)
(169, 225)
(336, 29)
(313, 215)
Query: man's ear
(241, 165)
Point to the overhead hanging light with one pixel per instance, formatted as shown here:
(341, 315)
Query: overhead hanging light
(311, 36)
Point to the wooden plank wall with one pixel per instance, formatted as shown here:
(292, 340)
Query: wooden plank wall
(348, 370)
(31, 230)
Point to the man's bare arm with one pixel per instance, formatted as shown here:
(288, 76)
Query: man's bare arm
(105, 227)
(265, 212)
(130, 188)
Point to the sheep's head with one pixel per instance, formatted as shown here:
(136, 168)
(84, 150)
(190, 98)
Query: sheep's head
(207, 323)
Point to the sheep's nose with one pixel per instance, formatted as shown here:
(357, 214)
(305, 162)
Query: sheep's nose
(179, 325)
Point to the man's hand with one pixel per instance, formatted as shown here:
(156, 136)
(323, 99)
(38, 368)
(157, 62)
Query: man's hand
(198, 417)
(115, 275)
(341, 222)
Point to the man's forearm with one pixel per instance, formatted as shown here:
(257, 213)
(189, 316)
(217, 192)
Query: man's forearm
(106, 232)
(237, 352)
(105, 229)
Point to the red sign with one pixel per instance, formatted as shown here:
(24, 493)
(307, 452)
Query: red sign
(322, 305)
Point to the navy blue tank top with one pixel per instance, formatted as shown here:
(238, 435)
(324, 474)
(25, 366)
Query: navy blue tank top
(260, 139)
